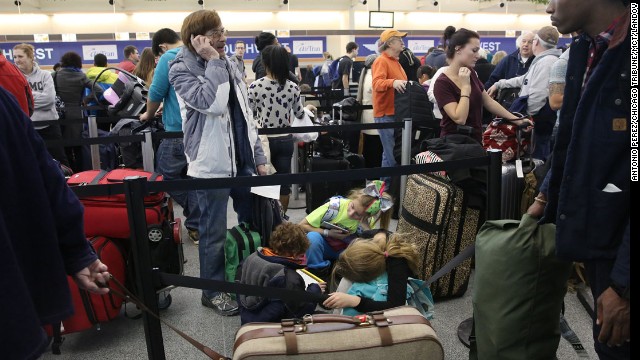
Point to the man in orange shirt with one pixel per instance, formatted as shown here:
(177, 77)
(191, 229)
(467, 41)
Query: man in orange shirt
(388, 76)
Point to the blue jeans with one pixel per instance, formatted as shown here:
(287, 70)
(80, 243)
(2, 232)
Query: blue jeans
(319, 253)
(388, 142)
(213, 228)
(172, 164)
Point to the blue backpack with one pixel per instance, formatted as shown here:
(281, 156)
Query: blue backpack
(333, 70)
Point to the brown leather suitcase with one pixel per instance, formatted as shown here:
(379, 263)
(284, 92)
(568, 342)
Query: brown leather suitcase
(400, 331)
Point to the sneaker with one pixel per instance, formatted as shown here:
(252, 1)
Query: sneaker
(222, 303)
(194, 235)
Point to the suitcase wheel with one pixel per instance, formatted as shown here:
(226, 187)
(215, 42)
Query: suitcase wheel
(155, 234)
(164, 300)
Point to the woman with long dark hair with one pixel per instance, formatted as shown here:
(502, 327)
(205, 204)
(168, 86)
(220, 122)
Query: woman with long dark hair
(274, 99)
(459, 93)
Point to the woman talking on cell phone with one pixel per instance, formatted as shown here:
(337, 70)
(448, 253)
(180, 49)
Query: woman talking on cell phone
(459, 93)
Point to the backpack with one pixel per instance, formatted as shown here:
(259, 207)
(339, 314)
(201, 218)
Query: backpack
(334, 74)
(240, 242)
(267, 214)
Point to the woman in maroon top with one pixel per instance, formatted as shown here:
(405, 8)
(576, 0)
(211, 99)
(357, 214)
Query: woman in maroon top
(459, 93)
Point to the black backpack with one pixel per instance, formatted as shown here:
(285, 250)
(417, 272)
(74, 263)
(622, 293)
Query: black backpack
(266, 215)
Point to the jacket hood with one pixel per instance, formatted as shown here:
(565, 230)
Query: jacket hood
(107, 77)
(549, 52)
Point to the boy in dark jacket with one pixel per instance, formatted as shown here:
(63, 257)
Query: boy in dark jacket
(276, 267)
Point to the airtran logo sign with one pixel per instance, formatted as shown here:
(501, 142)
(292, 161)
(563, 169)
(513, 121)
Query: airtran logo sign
(89, 51)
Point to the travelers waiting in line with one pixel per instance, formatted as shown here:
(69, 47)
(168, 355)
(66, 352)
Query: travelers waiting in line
(458, 91)
(131, 58)
(70, 83)
(587, 197)
(170, 156)
(438, 57)
(44, 98)
(220, 139)
(37, 259)
(534, 89)
(388, 77)
(275, 100)
(146, 66)
(517, 63)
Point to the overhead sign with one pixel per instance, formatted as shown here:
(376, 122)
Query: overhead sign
(421, 44)
(50, 53)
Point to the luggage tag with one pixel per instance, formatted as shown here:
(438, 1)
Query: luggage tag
(519, 172)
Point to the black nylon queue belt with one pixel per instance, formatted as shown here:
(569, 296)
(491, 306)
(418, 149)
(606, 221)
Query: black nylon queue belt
(238, 288)
(96, 140)
(278, 179)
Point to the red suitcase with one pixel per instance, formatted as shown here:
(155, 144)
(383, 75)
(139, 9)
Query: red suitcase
(107, 215)
(91, 309)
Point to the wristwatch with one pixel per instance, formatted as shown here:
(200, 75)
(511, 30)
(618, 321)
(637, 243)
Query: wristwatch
(621, 290)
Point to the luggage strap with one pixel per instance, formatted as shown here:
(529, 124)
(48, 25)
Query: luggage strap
(127, 295)
(99, 177)
(198, 283)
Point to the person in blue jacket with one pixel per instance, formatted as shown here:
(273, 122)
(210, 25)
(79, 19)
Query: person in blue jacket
(587, 190)
(171, 161)
(41, 238)
(517, 63)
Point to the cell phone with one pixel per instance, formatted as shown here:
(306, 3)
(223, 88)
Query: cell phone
(328, 225)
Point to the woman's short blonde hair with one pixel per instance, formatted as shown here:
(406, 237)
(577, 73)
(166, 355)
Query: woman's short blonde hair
(28, 49)
(198, 23)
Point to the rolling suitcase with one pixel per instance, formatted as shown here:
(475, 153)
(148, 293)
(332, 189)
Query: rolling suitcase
(400, 331)
(512, 188)
(93, 309)
(435, 217)
(317, 193)
(107, 216)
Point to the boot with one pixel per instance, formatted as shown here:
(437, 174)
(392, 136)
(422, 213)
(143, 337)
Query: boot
(284, 201)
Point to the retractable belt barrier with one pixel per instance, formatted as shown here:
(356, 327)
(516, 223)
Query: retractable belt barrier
(136, 188)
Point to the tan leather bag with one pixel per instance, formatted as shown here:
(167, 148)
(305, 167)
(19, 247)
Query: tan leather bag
(400, 331)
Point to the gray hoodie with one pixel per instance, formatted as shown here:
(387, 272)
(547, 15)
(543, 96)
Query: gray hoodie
(535, 83)
(44, 96)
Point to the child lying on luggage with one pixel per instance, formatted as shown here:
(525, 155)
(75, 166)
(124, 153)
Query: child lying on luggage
(276, 267)
(361, 210)
(379, 269)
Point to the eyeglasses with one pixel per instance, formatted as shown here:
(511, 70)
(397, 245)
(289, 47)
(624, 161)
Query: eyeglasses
(216, 33)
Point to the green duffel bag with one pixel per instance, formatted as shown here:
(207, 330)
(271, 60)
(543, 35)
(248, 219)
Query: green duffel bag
(518, 290)
(241, 242)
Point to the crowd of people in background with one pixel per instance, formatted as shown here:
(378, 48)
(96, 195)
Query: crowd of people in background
(220, 118)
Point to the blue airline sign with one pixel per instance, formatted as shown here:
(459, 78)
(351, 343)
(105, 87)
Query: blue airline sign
(421, 44)
(49, 53)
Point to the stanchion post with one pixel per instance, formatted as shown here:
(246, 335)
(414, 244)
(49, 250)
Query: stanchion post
(406, 154)
(95, 148)
(294, 169)
(147, 151)
(494, 185)
(135, 188)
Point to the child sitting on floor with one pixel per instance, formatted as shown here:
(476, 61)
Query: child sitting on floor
(361, 210)
(276, 267)
(378, 270)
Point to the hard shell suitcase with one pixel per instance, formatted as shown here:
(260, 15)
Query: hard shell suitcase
(317, 193)
(435, 217)
(400, 331)
(512, 188)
